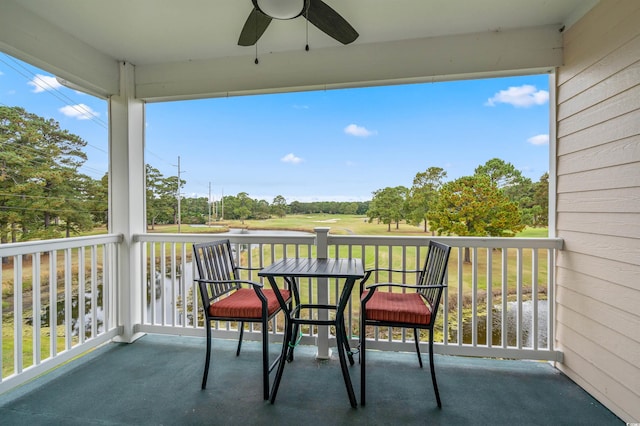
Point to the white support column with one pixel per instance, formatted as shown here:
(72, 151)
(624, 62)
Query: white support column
(553, 155)
(322, 251)
(127, 197)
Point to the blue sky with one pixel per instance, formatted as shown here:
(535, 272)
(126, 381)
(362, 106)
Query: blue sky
(337, 145)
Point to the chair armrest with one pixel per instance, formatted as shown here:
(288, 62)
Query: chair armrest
(246, 268)
(368, 272)
(253, 283)
(409, 286)
(373, 287)
(391, 270)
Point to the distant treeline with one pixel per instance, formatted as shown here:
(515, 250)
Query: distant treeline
(43, 193)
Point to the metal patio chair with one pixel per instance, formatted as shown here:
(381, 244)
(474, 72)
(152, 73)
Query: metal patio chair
(227, 297)
(414, 306)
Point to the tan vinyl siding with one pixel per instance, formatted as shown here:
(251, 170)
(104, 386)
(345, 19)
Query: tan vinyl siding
(598, 205)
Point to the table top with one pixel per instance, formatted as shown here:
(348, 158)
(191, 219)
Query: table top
(321, 268)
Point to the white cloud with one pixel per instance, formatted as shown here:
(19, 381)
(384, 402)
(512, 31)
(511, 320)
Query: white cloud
(359, 131)
(79, 111)
(539, 140)
(42, 83)
(291, 158)
(523, 96)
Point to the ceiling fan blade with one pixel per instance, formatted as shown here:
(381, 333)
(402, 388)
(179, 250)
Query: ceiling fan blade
(254, 27)
(330, 22)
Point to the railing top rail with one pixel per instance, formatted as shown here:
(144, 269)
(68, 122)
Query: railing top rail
(480, 242)
(27, 247)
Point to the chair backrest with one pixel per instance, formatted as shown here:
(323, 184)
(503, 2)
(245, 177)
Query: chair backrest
(434, 274)
(216, 270)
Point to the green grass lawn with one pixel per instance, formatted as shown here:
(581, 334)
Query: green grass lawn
(339, 224)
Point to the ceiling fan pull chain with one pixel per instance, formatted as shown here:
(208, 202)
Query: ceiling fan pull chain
(306, 16)
(256, 60)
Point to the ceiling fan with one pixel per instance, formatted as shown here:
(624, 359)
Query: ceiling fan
(315, 11)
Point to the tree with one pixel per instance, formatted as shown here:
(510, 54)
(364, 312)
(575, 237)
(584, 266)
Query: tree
(474, 206)
(98, 199)
(501, 173)
(388, 205)
(518, 188)
(261, 209)
(195, 210)
(75, 215)
(244, 207)
(160, 195)
(423, 194)
(42, 191)
(541, 200)
(279, 206)
(296, 207)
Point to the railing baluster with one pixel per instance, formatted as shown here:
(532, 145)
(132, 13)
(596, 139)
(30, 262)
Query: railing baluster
(474, 298)
(505, 294)
(173, 276)
(68, 254)
(53, 305)
(36, 303)
(534, 298)
(81, 294)
(489, 301)
(1, 322)
(459, 317)
(551, 299)
(17, 314)
(519, 286)
(94, 291)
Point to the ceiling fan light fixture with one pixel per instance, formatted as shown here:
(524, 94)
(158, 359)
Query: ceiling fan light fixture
(280, 9)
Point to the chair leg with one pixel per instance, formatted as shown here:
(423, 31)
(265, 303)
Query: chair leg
(208, 356)
(340, 333)
(416, 339)
(347, 347)
(240, 339)
(433, 371)
(283, 361)
(362, 353)
(265, 359)
(292, 344)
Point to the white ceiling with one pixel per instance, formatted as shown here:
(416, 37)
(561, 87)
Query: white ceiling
(189, 38)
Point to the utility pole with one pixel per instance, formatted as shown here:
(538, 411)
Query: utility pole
(222, 206)
(209, 221)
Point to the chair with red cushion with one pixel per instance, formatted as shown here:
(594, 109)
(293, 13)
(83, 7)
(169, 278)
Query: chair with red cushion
(227, 297)
(409, 306)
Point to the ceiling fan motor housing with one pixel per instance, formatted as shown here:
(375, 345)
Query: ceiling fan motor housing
(281, 9)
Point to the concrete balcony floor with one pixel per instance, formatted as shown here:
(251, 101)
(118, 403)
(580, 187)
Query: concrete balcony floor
(156, 381)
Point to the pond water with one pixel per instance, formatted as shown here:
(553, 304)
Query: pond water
(75, 312)
(511, 318)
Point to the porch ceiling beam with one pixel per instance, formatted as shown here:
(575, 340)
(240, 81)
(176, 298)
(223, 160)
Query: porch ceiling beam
(495, 53)
(32, 39)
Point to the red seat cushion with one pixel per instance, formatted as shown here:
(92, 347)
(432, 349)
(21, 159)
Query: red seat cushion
(244, 303)
(398, 307)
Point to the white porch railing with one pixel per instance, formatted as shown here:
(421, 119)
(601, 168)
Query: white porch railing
(58, 301)
(60, 297)
(500, 304)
